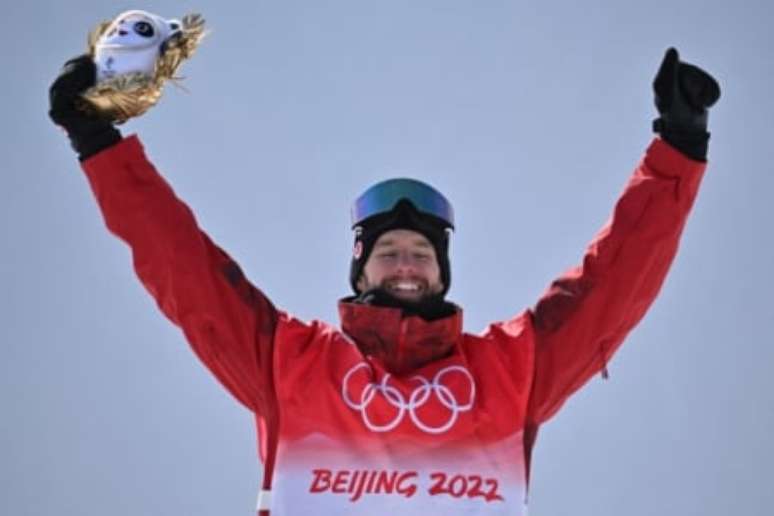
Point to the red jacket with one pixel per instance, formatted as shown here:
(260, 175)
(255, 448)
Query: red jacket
(390, 414)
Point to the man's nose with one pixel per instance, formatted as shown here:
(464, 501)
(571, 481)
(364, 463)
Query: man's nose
(406, 261)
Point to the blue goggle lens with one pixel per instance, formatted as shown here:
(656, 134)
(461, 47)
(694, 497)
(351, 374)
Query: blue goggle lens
(382, 198)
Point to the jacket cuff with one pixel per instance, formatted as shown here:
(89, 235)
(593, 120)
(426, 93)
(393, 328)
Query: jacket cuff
(665, 160)
(126, 149)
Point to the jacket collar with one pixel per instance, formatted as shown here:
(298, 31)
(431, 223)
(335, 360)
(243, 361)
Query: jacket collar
(400, 343)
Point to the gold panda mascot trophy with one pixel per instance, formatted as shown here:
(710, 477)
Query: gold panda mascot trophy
(135, 54)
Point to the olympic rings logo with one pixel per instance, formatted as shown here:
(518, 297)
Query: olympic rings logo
(416, 399)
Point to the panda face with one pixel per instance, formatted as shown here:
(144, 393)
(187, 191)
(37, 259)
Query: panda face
(132, 43)
(135, 30)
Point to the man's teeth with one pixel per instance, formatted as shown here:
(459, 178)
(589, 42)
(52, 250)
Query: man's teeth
(410, 287)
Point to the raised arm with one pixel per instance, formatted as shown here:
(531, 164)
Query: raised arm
(229, 323)
(585, 315)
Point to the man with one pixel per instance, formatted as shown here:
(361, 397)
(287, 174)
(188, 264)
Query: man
(399, 411)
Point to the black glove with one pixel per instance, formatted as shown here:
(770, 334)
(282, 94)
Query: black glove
(683, 94)
(88, 133)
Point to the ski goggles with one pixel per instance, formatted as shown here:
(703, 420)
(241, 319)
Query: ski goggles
(382, 198)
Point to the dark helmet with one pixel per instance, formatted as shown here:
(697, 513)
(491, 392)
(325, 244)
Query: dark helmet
(401, 204)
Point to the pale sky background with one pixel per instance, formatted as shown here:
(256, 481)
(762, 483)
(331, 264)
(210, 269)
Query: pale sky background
(528, 116)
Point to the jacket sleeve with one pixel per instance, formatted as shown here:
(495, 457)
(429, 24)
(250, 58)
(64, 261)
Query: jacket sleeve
(229, 323)
(584, 316)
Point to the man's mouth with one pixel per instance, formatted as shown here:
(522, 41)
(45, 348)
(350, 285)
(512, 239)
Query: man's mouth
(405, 287)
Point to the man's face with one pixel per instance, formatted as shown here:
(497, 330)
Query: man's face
(403, 263)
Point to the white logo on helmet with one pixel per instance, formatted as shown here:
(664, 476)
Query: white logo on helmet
(418, 397)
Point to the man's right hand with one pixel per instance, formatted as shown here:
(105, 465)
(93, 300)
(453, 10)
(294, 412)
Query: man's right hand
(89, 134)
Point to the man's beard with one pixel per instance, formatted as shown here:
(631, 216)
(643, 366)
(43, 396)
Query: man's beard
(430, 306)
